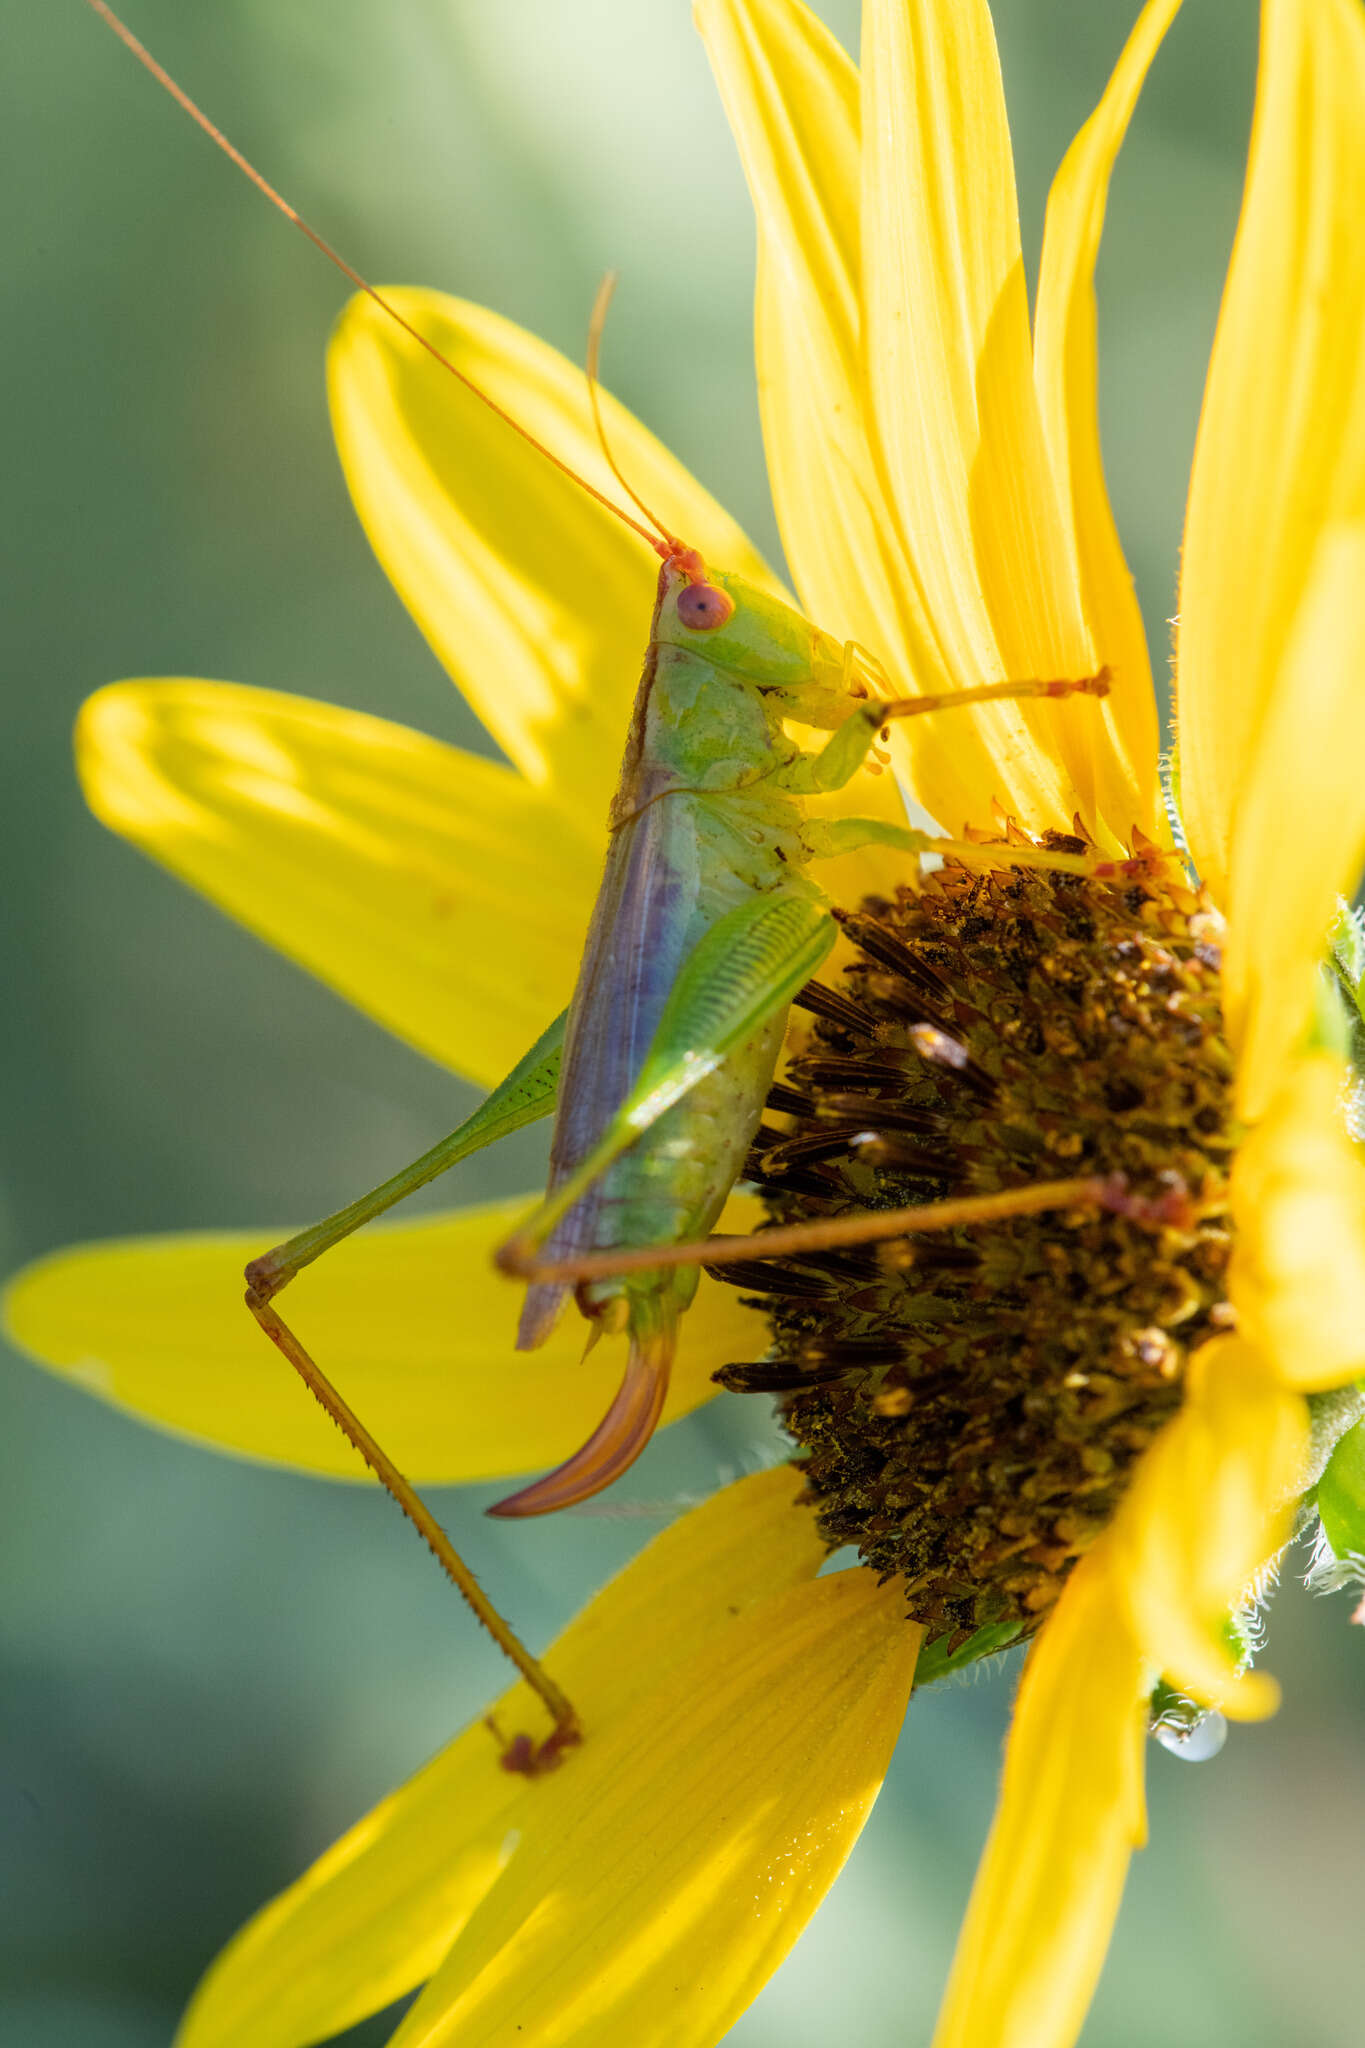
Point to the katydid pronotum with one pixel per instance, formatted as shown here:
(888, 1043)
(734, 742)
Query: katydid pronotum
(705, 929)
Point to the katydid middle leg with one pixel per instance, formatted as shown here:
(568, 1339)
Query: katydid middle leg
(879, 1226)
(869, 1226)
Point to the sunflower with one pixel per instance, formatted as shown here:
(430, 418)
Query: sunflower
(940, 491)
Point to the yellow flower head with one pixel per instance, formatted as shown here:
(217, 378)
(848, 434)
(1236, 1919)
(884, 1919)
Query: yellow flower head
(938, 481)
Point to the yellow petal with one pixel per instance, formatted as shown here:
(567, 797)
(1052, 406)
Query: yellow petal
(1300, 834)
(953, 406)
(1298, 1268)
(434, 890)
(670, 1872)
(536, 599)
(1070, 1815)
(1210, 1504)
(409, 1320)
(1281, 448)
(1123, 733)
(792, 97)
(377, 1913)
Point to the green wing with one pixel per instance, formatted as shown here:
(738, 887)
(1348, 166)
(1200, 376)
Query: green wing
(745, 969)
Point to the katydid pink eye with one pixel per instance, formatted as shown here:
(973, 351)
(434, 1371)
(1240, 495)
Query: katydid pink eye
(702, 607)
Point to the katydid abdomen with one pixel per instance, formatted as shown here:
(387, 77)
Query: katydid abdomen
(658, 898)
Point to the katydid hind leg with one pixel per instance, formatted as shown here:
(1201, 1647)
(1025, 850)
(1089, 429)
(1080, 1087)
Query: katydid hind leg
(522, 1753)
(526, 1094)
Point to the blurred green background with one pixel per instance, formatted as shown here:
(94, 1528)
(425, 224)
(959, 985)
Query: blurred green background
(208, 1669)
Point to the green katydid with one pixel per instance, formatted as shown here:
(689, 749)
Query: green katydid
(706, 927)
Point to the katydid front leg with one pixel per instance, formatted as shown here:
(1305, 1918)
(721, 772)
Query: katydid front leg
(835, 764)
(527, 1094)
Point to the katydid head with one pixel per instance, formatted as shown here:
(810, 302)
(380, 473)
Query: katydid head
(689, 593)
(738, 626)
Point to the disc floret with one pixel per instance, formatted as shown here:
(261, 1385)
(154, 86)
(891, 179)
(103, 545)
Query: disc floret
(970, 1405)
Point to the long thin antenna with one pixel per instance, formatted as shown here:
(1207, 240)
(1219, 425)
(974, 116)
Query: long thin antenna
(248, 170)
(596, 327)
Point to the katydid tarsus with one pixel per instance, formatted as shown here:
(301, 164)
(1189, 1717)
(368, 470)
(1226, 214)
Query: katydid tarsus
(706, 926)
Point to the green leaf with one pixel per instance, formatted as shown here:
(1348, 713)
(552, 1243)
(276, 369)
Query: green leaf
(937, 1661)
(1170, 795)
(1346, 968)
(1341, 1495)
(1337, 1026)
(1346, 947)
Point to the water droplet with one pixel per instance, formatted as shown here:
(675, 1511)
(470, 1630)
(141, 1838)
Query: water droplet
(1195, 1743)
